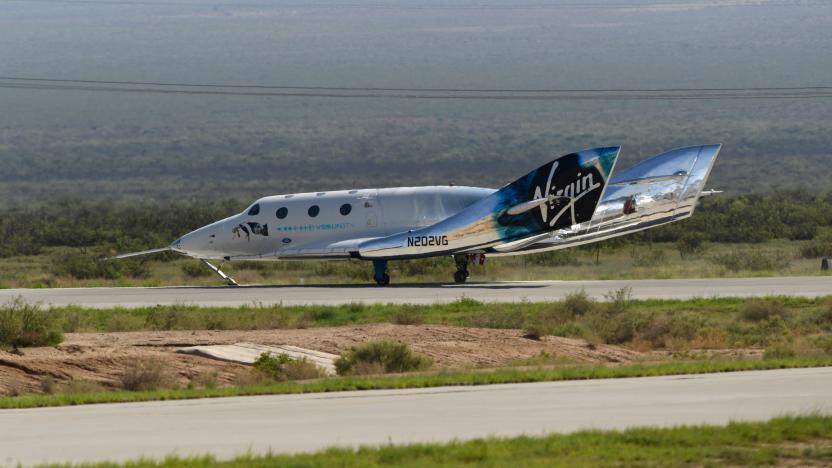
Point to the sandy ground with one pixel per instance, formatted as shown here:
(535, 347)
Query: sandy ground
(103, 357)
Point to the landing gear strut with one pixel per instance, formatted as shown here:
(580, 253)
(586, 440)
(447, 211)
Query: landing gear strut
(380, 272)
(228, 280)
(461, 274)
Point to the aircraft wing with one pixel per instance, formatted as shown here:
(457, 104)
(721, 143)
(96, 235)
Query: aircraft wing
(657, 191)
(334, 251)
(340, 250)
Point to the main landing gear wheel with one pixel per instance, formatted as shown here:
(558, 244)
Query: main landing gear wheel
(384, 280)
(461, 274)
(380, 272)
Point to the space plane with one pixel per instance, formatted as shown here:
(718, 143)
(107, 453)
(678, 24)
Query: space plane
(572, 200)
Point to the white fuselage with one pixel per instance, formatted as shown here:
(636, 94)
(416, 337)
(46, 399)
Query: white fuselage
(305, 225)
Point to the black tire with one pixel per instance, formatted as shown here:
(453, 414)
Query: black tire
(384, 280)
(460, 276)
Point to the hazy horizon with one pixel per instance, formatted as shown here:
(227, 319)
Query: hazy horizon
(154, 147)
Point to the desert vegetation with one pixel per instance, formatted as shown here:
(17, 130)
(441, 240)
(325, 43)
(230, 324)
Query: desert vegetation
(381, 357)
(64, 245)
(642, 324)
(631, 337)
(282, 368)
(23, 324)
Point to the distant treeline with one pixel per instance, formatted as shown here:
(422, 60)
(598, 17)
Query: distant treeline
(110, 228)
(793, 215)
(104, 226)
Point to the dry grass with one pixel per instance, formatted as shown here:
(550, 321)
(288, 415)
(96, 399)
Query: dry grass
(146, 374)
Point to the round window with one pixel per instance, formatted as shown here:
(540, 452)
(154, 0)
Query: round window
(345, 209)
(254, 210)
(282, 212)
(314, 210)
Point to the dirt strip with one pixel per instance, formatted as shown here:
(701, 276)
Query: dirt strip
(101, 358)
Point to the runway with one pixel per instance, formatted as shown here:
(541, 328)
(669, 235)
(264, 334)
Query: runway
(809, 286)
(292, 423)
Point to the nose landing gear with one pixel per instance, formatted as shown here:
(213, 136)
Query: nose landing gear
(380, 272)
(228, 280)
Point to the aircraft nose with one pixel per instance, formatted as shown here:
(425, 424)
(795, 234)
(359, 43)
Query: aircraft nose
(198, 243)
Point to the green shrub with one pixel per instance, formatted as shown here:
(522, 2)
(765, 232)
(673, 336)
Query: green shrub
(613, 323)
(578, 302)
(554, 258)
(764, 333)
(123, 322)
(389, 356)
(326, 314)
(779, 351)
(535, 331)
(407, 314)
(264, 268)
(690, 244)
(619, 300)
(758, 310)
(823, 343)
(24, 245)
(23, 325)
(325, 269)
(661, 328)
(73, 320)
(753, 260)
(547, 320)
(282, 368)
(620, 330)
(491, 318)
(420, 266)
(135, 268)
(273, 367)
(145, 374)
(571, 330)
(176, 317)
(80, 264)
(820, 246)
(611, 327)
(823, 316)
(195, 270)
(647, 256)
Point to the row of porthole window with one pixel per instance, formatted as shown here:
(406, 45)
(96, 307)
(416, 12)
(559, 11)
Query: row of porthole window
(313, 211)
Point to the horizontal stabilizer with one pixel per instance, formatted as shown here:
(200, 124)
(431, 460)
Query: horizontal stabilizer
(682, 175)
(519, 244)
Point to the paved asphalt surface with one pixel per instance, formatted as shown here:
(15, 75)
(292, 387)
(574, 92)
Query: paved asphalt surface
(810, 286)
(291, 423)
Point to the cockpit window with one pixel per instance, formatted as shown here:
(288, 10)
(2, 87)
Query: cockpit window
(254, 210)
